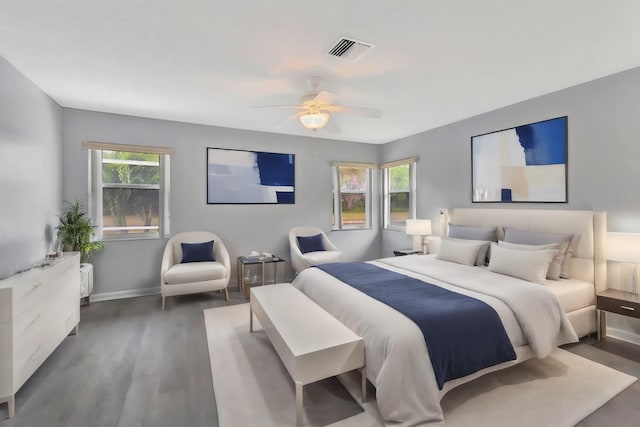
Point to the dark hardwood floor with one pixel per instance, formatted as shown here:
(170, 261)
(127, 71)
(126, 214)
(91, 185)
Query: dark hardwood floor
(134, 365)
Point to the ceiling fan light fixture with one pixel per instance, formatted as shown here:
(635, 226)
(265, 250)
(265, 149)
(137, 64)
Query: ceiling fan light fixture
(314, 120)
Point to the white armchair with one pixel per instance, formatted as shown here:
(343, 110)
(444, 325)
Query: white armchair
(301, 261)
(177, 278)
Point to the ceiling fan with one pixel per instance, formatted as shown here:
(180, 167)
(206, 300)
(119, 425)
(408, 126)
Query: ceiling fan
(316, 107)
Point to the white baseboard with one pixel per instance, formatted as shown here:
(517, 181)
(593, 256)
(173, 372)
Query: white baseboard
(106, 296)
(621, 334)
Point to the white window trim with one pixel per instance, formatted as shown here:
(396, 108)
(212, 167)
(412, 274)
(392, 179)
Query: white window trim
(95, 187)
(386, 194)
(337, 193)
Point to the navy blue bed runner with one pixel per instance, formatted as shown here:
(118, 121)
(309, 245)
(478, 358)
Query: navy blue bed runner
(463, 334)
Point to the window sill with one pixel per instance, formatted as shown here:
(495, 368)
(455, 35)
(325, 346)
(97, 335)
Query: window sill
(397, 229)
(126, 239)
(352, 229)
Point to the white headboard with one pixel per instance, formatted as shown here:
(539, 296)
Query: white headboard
(589, 263)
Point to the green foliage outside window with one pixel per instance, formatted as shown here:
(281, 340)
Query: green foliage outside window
(131, 183)
(399, 194)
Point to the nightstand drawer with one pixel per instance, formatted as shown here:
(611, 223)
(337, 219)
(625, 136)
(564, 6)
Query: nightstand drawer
(613, 305)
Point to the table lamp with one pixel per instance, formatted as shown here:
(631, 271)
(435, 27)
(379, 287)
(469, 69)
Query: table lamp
(418, 228)
(625, 247)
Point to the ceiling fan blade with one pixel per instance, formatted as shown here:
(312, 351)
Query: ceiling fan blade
(361, 111)
(324, 97)
(294, 107)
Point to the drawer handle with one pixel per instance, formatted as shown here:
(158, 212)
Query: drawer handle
(34, 288)
(33, 321)
(628, 308)
(34, 352)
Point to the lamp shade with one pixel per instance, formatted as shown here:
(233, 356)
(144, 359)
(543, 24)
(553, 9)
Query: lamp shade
(623, 247)
(418, 227)
(314, 120)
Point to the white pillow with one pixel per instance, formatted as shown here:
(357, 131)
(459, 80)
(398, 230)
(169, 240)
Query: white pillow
(527, 265)
(514, 235)
(573, 247)
(481, 257)
(459, 251)
(556, 264)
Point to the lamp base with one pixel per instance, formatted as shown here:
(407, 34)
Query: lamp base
(420, 244)
(417, 243)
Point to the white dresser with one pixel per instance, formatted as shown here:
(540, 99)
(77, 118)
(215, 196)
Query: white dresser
(38, 309)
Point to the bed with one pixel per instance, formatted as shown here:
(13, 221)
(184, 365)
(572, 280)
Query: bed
(397, 358)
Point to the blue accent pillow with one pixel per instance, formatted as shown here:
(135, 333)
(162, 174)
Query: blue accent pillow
(197, 252)
(310, 243)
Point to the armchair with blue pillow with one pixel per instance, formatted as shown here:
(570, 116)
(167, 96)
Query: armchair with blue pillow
(194, 261)
(310, 246)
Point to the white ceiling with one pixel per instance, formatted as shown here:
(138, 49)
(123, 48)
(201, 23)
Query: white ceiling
(210, 61)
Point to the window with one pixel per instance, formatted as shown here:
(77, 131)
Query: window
(351, 195)
(129, 190)
(399, 188)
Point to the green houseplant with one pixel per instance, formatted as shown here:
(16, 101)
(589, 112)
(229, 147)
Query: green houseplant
(75, 231)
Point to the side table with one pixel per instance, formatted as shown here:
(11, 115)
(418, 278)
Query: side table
(618, 302)
(402, 252)
(244, 261)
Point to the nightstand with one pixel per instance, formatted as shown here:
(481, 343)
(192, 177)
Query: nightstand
(618, 302)
(402, 252)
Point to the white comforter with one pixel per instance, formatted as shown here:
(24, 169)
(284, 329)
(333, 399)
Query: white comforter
(395, 351)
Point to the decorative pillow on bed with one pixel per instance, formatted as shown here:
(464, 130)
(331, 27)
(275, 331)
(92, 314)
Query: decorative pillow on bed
(469, 232)
(573, 247)
(473, 233)
(556, 264)
(481, 257)
(527, 265)
(459, 251)
(514, 235)
(310, 243)
(197, 252)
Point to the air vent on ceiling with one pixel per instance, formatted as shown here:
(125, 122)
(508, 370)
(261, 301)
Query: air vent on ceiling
(350, 50)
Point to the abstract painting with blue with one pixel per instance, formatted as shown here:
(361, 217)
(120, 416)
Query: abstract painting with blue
(250, 177)
(525, 163)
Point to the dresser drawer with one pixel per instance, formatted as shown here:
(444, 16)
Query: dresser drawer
(43, 285)
(39, 321)
(614, 305)
(26, 362)
(37, 315)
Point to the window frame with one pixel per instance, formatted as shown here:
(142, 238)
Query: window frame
(337, 223)
(386, 192)
(96, 187)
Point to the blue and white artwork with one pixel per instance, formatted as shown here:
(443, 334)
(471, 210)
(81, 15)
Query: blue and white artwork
(243, 177)
(523, 164)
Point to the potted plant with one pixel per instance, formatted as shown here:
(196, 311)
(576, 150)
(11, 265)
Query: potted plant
(75, 231)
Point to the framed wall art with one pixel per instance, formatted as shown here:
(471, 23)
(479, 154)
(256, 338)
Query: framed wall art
(525, 163)
(250, 177)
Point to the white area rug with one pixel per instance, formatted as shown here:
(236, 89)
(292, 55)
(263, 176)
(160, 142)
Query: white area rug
(252, 387)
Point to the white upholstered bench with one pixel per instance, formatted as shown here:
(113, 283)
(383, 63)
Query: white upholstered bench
(311, 343)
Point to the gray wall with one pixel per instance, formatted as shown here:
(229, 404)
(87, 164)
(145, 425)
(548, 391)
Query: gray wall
(604, 154)
(129, 265)
(30, 165)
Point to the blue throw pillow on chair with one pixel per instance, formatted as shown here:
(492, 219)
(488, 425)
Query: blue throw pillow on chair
(197, 252)
(310, 243)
